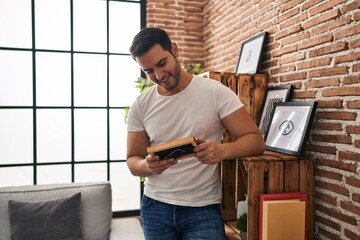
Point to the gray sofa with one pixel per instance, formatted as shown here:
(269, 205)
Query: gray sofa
(88, 205)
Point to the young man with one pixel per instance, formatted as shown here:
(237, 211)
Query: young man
(182, 198)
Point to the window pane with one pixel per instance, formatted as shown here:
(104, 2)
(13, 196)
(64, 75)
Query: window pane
(53, 135)
(45, 174)
(16, 176)
(90, 80)
(15, 23)
(125, 188)
(90, 172)
(118, 133)
(53, 82)
(122, 32)
(90, 134)
(52, 21)
(123, 73)
(15, 78)
(16, 136)
(90, 25)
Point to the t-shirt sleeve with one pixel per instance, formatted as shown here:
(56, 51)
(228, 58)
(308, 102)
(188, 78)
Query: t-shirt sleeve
(226, 100)
(134, 123)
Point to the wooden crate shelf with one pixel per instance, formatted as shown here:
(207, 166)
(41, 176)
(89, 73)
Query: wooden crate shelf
(277, 173)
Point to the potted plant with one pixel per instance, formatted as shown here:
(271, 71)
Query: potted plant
(241, 224)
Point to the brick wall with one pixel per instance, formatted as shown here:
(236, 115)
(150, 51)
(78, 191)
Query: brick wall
(313, 45)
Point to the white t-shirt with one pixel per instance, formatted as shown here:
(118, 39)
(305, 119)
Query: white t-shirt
(195, 111)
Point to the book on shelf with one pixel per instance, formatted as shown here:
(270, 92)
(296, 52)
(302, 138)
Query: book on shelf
(282, 216)
(178, 149)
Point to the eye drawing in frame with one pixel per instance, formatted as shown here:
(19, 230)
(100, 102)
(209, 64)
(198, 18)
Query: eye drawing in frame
(251, 54)
(273, 96)
(290, 126)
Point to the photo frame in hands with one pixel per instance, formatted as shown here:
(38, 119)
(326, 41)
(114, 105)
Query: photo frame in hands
(251, 54)
(289, 127)
(273, 95)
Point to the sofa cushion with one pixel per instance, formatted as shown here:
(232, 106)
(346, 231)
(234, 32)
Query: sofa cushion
(57, 219)
(96, 213)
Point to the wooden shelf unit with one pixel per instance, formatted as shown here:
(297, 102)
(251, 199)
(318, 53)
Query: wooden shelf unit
(270, 172)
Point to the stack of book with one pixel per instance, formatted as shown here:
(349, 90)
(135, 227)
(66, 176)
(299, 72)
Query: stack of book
(282, 216)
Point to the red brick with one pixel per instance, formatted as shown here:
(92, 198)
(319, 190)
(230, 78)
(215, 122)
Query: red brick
(356, 197)
(332, 187)
(316, 41)
(329, 49)
(329, 72)
(353, 129)
(328, 174)
(351, 80)
(348, 167)
(322, 83)
(353, 104)
(339, 115)
(326, 198)
(349, 156)
(329, 26)
(357, 143)
(322, 18)
(330, 104)
(325, 6)
(347, 58)
(350, 234)
(327, 126)
(304, 94)
(343, 91)
(334, 225)
(350, 207)
(314, 63)
(353, 181)
(335, 213)
(332, 138)
(321, 149)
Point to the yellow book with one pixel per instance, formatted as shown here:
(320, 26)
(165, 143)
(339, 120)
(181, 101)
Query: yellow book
(284, 220)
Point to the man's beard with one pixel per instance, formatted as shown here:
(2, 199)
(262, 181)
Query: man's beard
(176, 77)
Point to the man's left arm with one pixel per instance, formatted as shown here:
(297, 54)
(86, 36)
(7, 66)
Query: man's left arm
(248, 140)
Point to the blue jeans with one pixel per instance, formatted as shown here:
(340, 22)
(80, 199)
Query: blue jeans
(162, 221)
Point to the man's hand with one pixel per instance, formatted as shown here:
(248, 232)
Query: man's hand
(208, 152)
(157, 166)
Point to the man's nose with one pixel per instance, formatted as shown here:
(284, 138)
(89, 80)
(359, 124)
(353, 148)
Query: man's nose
(159, 74)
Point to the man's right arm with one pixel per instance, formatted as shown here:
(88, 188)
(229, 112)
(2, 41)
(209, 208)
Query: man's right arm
(137, 142)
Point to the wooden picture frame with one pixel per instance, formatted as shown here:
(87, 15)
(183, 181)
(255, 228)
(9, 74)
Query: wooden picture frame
(251, 54)
(177, 149)
(290, 126)
(273, 95)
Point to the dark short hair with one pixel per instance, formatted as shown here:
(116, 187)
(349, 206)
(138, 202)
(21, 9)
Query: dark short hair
(147, 38)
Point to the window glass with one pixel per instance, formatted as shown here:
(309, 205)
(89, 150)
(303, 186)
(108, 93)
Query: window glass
(16, 136)
(15, 78)
(90, 134)
(118, 134)
(52, 24)
(15, 23)
(53, 79)
(53, 128)
(122, 32)
(123, 73)
(95, 172)
(122, 181)
(90, 80)
(16, 176)
(90, 25)
(54, 174)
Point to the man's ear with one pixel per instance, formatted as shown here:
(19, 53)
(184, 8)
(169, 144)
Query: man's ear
(175, 49)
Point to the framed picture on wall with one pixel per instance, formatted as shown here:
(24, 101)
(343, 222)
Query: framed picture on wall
(251, 54)
(289, 127)
(273, 95)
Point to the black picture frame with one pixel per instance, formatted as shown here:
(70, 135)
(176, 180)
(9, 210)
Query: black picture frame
(290, 126)
(273, 95)
(251, 54)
